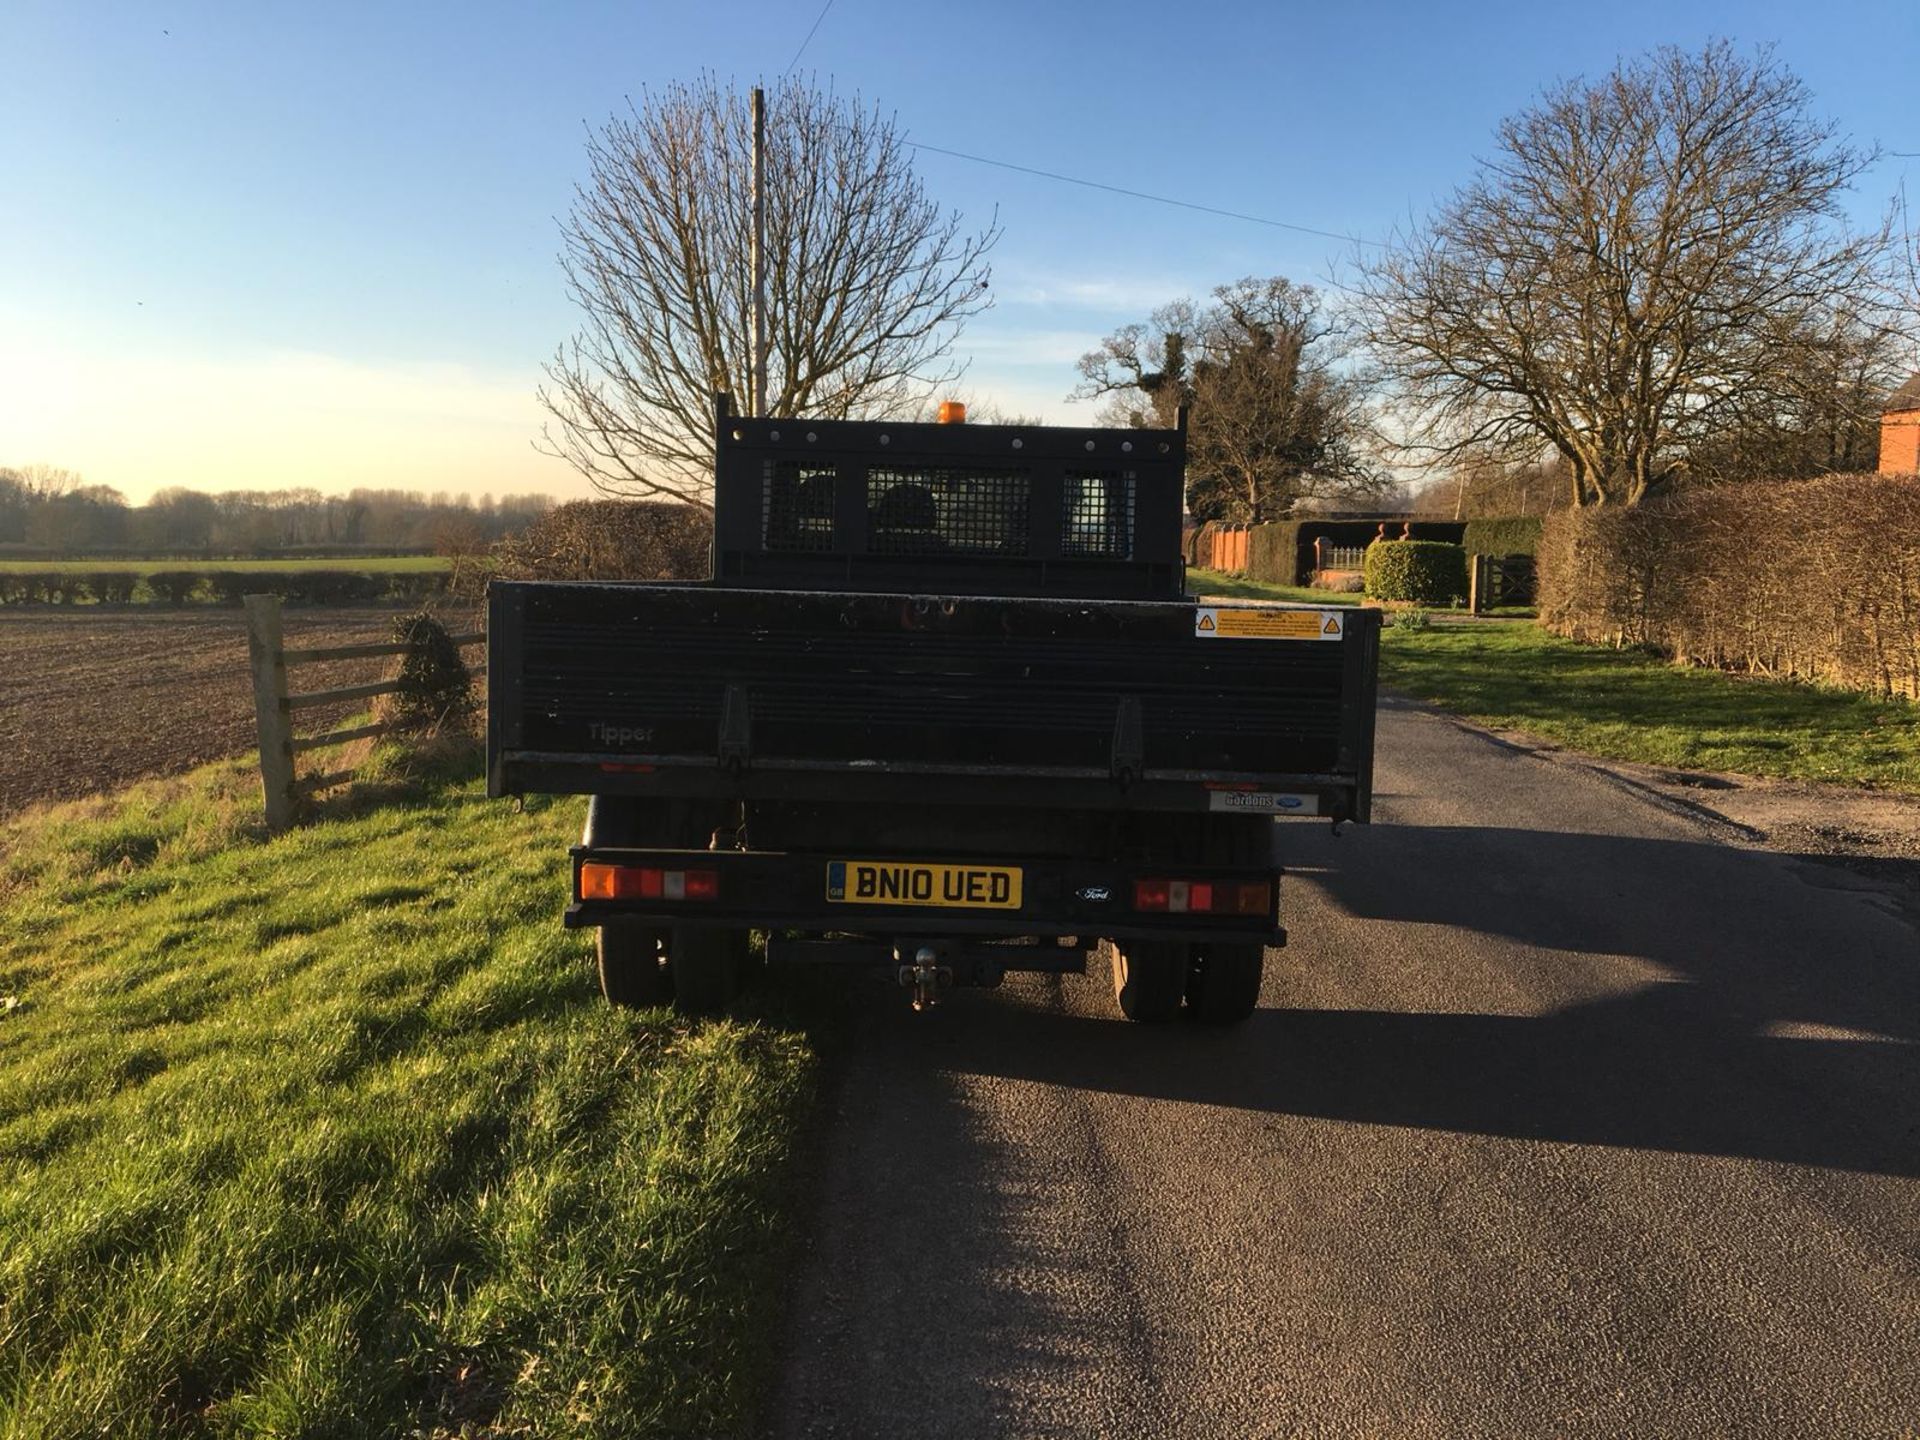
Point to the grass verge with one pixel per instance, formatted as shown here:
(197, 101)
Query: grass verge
(330, 1134)
(366, 565)
(1627, 705)
(1212, 582)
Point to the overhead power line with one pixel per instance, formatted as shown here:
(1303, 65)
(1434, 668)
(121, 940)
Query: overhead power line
(808, 41)
(1142, 195)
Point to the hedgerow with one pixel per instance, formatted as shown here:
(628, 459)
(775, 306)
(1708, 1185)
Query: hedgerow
(607, 540)
(174, 587)
(1815, 579)
(1504, 535)
(1273, 553)
(112, 587)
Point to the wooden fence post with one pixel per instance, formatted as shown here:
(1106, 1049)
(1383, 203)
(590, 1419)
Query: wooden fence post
(264, 649)
(1478, 567)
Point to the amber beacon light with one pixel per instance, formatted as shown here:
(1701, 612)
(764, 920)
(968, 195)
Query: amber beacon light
(953, 412)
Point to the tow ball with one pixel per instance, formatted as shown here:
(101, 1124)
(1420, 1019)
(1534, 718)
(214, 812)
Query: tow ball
(925, 975)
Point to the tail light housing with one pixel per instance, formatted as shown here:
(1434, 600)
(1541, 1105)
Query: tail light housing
(1172, 896)
(600, 881)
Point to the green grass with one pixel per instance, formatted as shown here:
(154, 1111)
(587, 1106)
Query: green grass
(331, 1134)
(367, 565)
(1212, 582)
(1627, 705)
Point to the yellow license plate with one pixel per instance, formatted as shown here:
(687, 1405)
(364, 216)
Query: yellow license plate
(908, 882)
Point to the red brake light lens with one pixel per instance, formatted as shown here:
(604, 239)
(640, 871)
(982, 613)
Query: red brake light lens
(1203, 897)
(1149, 894)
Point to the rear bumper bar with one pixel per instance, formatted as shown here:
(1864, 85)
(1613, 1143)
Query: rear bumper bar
(1335, 797)
(790, 891)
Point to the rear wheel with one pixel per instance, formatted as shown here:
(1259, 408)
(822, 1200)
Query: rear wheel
(1223, 982)
(632, 970)
(1149, 977)
(706, 965)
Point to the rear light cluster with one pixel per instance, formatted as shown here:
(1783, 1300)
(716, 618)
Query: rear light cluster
(1204, 897)
(645, 882)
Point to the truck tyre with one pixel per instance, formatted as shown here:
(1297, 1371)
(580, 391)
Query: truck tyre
(1148, 978)
(632, 971)
(1223, 982)
(705, 965)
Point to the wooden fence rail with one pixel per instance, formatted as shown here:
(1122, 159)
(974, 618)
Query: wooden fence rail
(273, 705)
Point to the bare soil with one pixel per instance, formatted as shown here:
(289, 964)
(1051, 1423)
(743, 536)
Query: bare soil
(92, 700)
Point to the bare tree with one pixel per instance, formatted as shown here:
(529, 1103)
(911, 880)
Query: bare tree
(1273, 418)
(1478, 484)
(1648, 261)
(47, 482)
(1909, 250)
(1822, 414)
(868, 281)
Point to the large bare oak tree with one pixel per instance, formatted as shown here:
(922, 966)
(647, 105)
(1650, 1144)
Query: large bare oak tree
(868, 280)
(1273, 418)
(1647, 263)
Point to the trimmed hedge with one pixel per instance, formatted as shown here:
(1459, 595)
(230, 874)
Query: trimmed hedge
(1359, 531)
(414, 585)
(1200, 544)
(113, 587)
(1812, 579)
(174, 587)
(221, 587)
(231, 587)
(607, 540)
(25, 587)
(1506, 535)
(1273, 553)
(1424, 572)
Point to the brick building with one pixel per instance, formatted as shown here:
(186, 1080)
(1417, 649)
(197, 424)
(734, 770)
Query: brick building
(1900, 430)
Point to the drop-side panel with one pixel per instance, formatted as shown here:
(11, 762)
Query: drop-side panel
(770, 680)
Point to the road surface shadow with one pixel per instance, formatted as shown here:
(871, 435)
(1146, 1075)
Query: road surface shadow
(1746, 924)
(1655, 1070)
(1784, 1028)
(947, 1292)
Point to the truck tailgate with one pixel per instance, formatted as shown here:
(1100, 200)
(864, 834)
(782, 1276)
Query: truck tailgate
(594, 687)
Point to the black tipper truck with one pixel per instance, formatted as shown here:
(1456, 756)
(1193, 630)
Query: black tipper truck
(944, 706)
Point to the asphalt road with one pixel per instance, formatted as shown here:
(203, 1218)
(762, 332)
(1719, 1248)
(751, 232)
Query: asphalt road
(1559, 1117)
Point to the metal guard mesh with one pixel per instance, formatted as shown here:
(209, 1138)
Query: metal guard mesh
(797, 513)
(1097, 514)
(947, 510)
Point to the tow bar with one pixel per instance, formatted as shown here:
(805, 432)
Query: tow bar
(925, 975)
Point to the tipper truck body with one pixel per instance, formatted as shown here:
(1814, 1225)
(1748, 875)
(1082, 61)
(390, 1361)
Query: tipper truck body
(944, 706)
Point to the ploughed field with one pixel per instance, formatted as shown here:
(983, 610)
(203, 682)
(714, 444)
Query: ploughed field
(89, 702)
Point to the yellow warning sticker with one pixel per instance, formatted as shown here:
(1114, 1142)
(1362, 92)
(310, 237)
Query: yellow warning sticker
(1215, 622)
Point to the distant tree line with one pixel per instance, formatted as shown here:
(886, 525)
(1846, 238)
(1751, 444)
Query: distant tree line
(43, 507)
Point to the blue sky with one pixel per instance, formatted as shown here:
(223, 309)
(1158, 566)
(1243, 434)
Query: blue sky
(267, 244)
